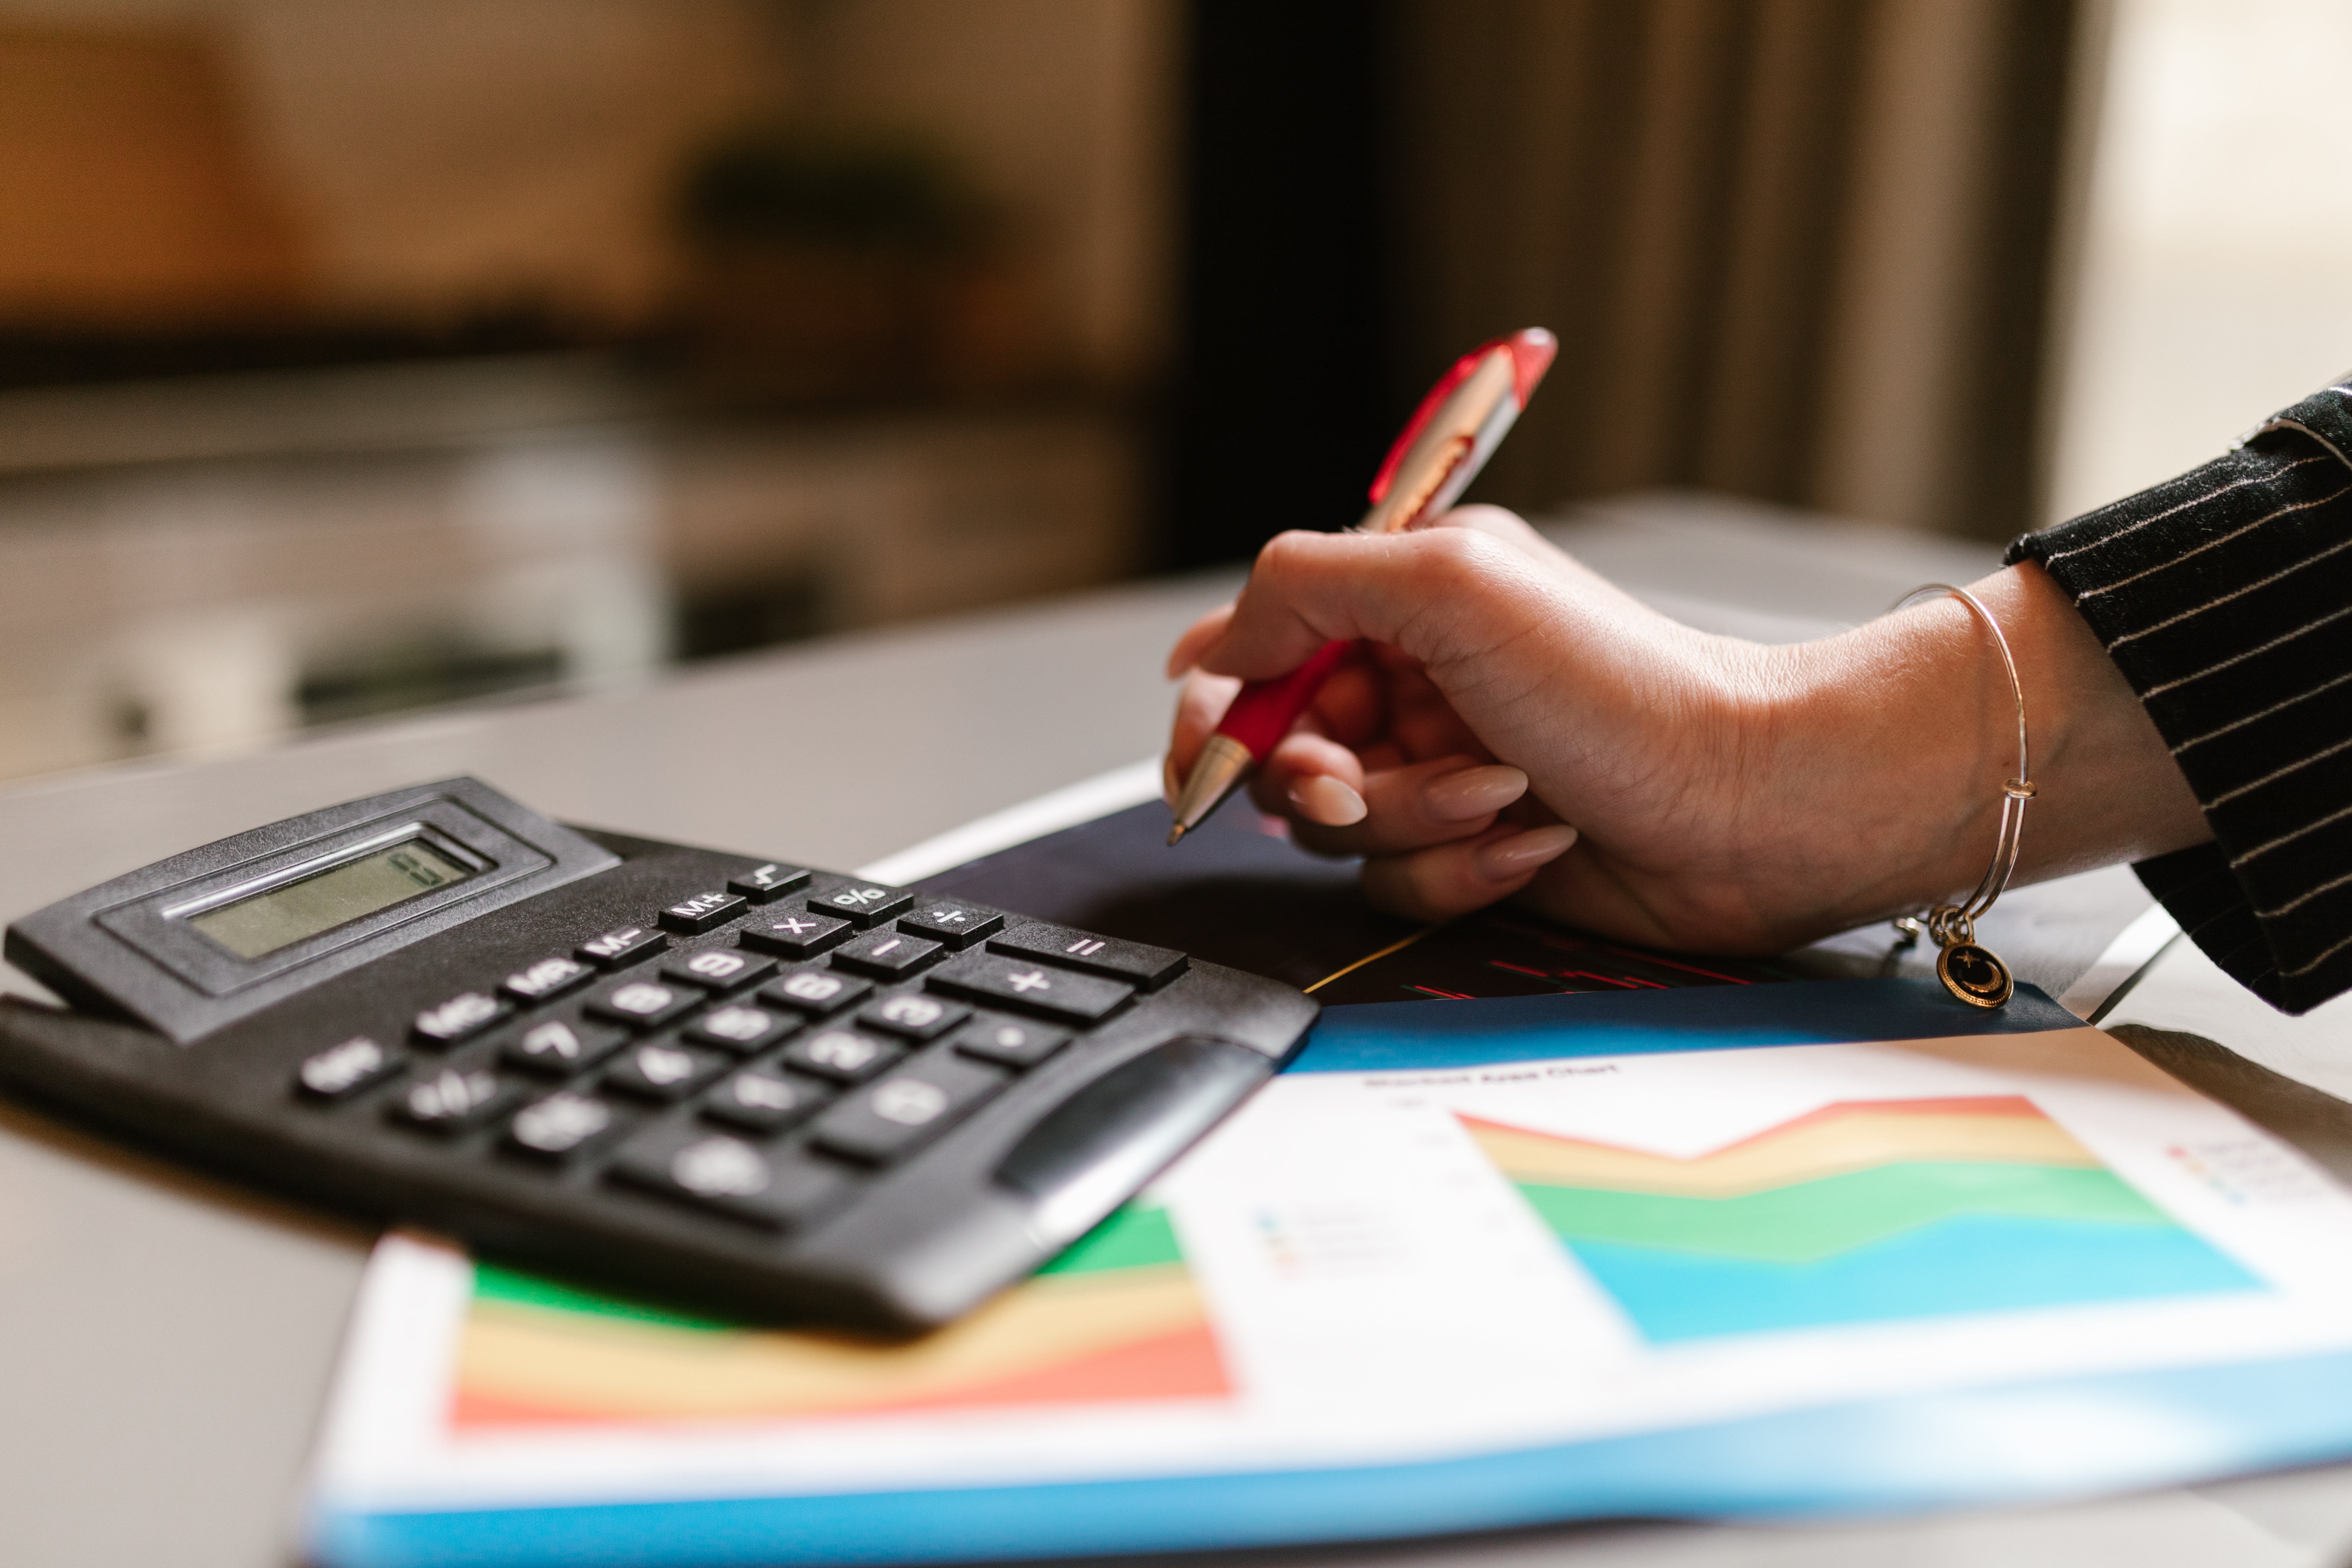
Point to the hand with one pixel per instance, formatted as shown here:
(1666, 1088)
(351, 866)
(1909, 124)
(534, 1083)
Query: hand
(1521, 727)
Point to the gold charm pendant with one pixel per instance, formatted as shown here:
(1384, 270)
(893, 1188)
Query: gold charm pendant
(1975, 974)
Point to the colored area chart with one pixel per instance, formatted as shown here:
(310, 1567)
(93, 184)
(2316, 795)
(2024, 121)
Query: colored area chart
(1116, 1318)
(1862, 1211)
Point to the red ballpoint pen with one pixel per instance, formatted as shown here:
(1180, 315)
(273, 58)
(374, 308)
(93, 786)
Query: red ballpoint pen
(1449, 438)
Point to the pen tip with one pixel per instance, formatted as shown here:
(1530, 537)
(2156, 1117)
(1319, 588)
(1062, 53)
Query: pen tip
(1174, 834)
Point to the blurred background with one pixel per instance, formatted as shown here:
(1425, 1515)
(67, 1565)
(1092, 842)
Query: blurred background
(360, 355)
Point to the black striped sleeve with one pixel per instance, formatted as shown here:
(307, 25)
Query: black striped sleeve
(2225, 597)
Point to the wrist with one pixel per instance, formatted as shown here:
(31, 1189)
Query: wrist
(1913, 722)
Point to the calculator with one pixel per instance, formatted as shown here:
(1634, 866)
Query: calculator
(741, 1085)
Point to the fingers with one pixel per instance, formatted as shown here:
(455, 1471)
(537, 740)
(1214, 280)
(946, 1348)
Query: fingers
(1451, 879)
(1404, 808)
(1311, 779)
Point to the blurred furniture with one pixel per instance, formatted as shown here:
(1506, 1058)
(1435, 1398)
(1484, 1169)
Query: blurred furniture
(211, 562)
(171, 1339)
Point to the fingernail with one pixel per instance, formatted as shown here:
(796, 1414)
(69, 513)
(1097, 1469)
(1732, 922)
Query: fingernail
(1325, 799)
(1522, 853)
(1168, 780)
(1472, 792)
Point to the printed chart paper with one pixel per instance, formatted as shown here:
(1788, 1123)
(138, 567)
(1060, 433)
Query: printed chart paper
(1803, 1247)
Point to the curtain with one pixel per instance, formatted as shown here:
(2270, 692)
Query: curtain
(1802, 250)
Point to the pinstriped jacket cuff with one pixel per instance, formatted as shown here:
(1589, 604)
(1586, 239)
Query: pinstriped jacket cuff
(2225, 598)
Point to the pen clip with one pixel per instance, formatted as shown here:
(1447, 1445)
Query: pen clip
(1446, 471)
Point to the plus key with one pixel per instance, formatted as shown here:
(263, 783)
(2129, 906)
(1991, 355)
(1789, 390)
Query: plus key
(1032, 987)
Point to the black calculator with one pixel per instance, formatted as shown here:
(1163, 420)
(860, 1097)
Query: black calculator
(756, 1088)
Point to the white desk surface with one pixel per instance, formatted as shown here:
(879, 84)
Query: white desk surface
(165, 1341)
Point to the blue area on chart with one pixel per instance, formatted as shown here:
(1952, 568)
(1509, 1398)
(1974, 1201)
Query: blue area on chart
(1968, 1263)
(1419, 1036)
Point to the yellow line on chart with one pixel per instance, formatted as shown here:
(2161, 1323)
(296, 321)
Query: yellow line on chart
(1395, 946)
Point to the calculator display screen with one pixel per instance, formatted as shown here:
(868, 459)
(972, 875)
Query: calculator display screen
(283, 915)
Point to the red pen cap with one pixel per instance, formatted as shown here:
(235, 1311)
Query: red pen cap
(1531, 350)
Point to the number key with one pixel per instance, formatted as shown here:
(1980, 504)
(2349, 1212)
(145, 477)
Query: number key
(816, 991)
(917, 1017)
(719, 969)
(644, 1003)
(665, 1072)
(562, 1125)
(742, 1029)
(697, 1166)
(843, 1055)
(907, 1109)
(765, 1101)
(560, 1046)
(451, 1100)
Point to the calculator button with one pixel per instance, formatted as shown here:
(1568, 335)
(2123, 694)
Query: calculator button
(725, 1174)
(907, 1109)
(742, 1028)
(563, 1125)
(658, 1070)
(702, 911)
(459, 1018)
(843, 1055)
(917, 1017)
(453, 1100)
(560, 1045)
(817, 991)
(340, 1071)
(887, 954)
(620, 948)
(719, 969)
(766, 1101)
(1032, 987)
(766, 884)
(957, 925)
(547, 980)
(863, 904)
(1132, 962)
(1012, 1043)
(645, 1003)
(793, 933)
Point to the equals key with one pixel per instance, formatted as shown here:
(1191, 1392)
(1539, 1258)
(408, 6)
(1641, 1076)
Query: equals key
(1133, 961)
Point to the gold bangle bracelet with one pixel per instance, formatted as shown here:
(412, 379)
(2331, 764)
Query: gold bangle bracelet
(1973, 973)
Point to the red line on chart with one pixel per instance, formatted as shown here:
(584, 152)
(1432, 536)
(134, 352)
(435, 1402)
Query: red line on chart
(1670, 963)
(1622, 982)
(1432, 991)
(1517, 968)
